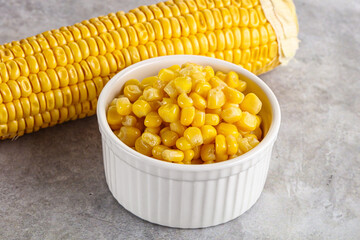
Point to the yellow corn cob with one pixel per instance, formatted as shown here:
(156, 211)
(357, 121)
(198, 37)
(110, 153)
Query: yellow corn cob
(57, 76)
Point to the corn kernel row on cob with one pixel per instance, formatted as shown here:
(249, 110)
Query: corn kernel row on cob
(62, 68)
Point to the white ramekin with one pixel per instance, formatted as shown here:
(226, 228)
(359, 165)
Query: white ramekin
(186, 196)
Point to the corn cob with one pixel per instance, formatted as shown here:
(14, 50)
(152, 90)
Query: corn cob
(57, 76)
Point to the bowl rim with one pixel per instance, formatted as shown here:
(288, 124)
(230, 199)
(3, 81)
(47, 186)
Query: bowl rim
(243, 159)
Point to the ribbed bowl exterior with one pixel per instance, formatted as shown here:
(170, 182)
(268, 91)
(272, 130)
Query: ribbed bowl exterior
(185, 196)
(183, 203)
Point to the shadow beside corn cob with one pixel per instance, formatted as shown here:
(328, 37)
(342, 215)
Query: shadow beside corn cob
(58, 75)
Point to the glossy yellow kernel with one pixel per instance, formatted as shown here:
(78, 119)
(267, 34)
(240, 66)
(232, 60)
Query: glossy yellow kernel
(216, 98)
(142, 147)
(3, 114)
(231, 114)
(169, 112)
(247, 122)
(188, 156)
(152, 94)
(187, 115)
(158, 150)
(184, 100)
(123, 106)
(141, 108)
(233, 95)
(220, 145)
(202, 88)
(168, 101)
(129, 121)
(151, 139)
(183, 144)
(198, 101)
(167, 74)
(257, 132)
(113, 117)
(232, 145)
(172, 155)
(154, 130)
(199, 119)
(183, 84)
(212, 119)
(129, 135)
(153, 120)
(132, 92)
(169, 138)
(227, 129)
(209, 133)
(171, 89)
(177, 127)
(251, 104)
(194, 136)
(244, 145)
(14, 88)
(208, 152)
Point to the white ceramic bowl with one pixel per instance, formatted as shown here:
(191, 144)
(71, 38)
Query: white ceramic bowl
(186, 196)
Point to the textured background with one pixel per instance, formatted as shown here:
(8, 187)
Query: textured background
(52, 184)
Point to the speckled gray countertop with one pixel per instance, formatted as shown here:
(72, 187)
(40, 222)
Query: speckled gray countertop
(52, 183)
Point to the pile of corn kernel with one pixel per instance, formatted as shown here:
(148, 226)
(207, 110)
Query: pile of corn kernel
(187, 115)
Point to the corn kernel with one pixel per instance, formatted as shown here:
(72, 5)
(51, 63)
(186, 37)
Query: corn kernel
(129, 121)
(209, 72)
(232, 145)
(220, 75)
(216, 82)
(141, 108)
(208, 152)
(132, 82)
(158, 150)
(169, 112)
(151, 139)
(202, 88)
(258, 120)
(177, 127)
(172, 155)
(152, 94)
(128, 135)
(232, 79)
(187, 115)
(132, 92)
(220, 145)
(196, 150)
(212, 119)
(221, 157)
(183, 84)
(209, 133)
(194, 136)
(242, 86)
(231, 114)
(252, 139)
(164, 130)
(123, 106)
(184, 100)
(215, 99)
(170, 89)
(251, 104)
(244, 145)
(148, 82)
(199, 119)
(159, 84)
(154, 130)
(167, 74)
(168, 101)
(142, 147)
(198, 101)
(152, 119)
(188, 156)
(183, 144)
(169, 138)
(257, 132)
(233, 95)
(113, 117)
(247, 122)
(227, 129)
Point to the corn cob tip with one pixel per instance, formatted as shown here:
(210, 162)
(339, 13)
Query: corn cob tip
(282, 16)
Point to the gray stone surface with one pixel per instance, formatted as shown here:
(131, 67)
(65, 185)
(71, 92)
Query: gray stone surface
(52, 182)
